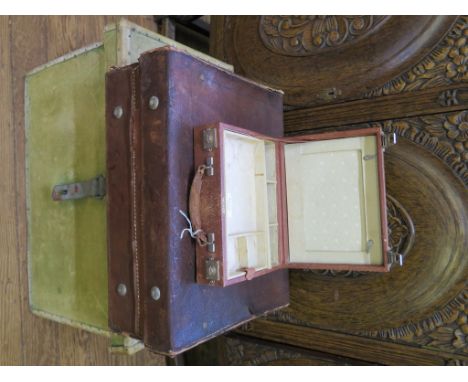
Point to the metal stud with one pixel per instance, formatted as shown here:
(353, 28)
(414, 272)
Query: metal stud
(122, 289)
(118, 112)
(155, 293)
(153, 102)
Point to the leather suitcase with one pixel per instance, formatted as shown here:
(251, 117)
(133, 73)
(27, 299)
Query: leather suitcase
(151, 110)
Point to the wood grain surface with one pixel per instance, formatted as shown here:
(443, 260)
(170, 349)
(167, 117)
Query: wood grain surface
(409, 104)
(25, 43)
(346, 346)
(316, 60)
(416, 314)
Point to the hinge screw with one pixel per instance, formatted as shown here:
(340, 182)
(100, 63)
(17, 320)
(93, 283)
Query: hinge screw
(118, 112)
(155, 293)
(122, 289)
(153, 102)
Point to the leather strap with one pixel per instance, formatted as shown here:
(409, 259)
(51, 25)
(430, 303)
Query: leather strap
(195, 206)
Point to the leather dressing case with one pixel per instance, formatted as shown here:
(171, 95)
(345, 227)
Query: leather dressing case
(151, 110)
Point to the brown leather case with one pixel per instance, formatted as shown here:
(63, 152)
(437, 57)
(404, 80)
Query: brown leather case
(208, 209)
(153, 294)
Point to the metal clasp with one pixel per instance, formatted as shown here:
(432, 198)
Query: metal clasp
(210, 139)
(212, 272)
(94, 188)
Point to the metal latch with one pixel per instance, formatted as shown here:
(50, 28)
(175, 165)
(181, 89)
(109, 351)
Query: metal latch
(388, 139)
(212, 272)
(94, 188)
(210, 139)
(395, 258)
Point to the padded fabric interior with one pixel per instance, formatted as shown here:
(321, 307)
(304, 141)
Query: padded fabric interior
(250, 202)
(333, 201)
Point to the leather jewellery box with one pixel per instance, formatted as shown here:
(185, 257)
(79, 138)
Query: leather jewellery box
(261, 203)
(198, 205)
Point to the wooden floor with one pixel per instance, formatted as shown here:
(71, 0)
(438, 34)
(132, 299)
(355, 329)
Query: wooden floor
(26, 42)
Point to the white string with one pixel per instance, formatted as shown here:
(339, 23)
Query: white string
(192, 234)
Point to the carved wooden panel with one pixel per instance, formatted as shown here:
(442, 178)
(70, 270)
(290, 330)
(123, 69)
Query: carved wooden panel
(446, 64)
(416, 314)
(425, 303)
(303, 35)
(242, 352)
(322, 59)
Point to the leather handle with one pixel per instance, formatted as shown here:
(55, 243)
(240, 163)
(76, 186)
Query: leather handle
(195, 206)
